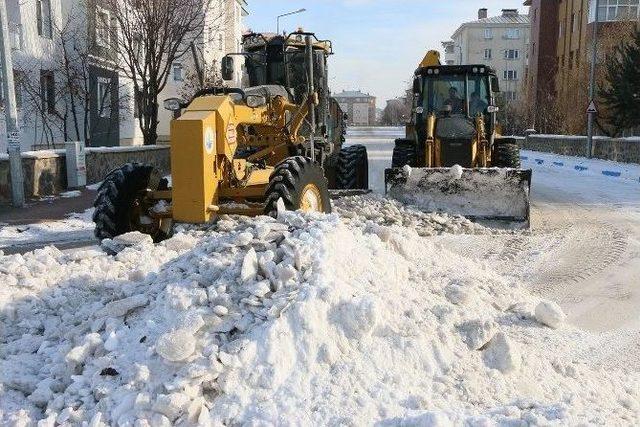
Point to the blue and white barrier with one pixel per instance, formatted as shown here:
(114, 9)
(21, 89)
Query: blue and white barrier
(606, 168)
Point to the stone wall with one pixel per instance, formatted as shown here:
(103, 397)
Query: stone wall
(625, 150)
(45, 172)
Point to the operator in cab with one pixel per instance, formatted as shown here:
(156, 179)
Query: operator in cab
(456, 103)
(477, 105)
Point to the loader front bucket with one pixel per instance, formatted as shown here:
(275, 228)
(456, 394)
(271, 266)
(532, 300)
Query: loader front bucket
(478, 194)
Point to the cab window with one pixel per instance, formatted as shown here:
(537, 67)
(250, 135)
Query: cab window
(445, 94)
(479, 97)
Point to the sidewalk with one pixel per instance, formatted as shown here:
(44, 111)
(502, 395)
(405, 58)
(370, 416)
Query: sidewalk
(54, 209)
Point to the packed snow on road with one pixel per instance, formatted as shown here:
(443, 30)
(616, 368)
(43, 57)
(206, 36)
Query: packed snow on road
(377, 313)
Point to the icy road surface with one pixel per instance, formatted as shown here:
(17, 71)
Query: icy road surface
(583, 250)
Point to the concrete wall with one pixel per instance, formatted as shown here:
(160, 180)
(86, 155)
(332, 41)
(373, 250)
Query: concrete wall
(617, 149)
(45, 172)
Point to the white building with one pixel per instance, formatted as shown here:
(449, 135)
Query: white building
(501, 42)
(222, 34)
(44, 115)
(359, 107)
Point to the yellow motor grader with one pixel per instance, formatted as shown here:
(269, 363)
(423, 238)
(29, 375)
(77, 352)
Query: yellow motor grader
(240, 151)
(453, 158)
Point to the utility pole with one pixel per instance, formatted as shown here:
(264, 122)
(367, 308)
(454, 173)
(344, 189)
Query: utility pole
(10, 113)
(592, 81)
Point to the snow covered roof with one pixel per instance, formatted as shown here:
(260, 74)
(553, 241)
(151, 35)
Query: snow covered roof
(352, 94)
(505, 18)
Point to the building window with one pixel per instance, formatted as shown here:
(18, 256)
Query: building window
(510, 75)
(137, 102)
(15, 35)
(104, 97)
(178, 72)
(511, 54)
(448, 48)
(616, 10)
(17, 87)
(48, 91)
(570, 60)
(510, 95)
(488, 33)
(487, 54)
(18, 78)
(512, 33)
(450, 62)
(103, 27)
(43, 16)
(573, 22)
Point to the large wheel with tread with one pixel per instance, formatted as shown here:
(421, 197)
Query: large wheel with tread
(353, 168)
(506, 155)
(301, 185)
(404, 153)
(330, 166)
(120, 206)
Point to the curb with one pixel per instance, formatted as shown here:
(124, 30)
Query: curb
(581, 168)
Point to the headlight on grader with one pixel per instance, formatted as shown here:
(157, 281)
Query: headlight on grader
(173, 104)
(255, 101)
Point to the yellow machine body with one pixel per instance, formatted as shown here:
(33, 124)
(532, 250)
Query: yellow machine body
(455, 154)
(431, 59)
(204, 140)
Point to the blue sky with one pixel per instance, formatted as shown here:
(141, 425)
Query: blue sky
(377, 43)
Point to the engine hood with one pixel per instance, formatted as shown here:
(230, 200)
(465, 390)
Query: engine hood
(455, 128)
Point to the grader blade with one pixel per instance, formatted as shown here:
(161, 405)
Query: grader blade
(478, 194)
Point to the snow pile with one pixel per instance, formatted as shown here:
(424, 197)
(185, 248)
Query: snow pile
(303, 320)
(471, 192)
(357, 210)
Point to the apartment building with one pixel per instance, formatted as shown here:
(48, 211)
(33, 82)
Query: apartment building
(543, 61)
(561, 39)
(575, 28)
(499, 41)
(48, 115)
(360, 107)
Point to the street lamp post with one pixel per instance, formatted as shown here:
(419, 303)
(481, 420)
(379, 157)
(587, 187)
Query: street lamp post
(592, 80)
(287, 14)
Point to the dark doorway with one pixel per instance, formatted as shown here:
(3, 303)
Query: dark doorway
(104, 103)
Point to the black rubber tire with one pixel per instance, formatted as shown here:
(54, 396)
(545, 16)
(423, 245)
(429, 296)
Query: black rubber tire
(353, 168)
(288, 181)
(330, 167)
(506, 155)
(404, 153)
(115, 199)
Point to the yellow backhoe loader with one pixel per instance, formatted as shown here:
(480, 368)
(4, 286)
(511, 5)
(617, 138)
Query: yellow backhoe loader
(239, 151)
(453, 158)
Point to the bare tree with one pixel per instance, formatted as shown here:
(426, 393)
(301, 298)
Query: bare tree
(573, 98)
(57, 88)
(152, 35)
(396, 112)
(192, 83)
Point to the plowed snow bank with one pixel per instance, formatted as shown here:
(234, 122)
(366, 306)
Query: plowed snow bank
(303, 320)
